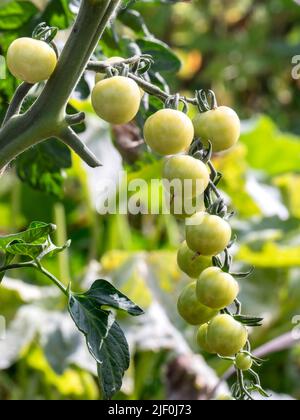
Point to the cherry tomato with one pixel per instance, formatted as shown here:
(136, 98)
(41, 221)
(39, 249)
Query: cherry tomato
(116, 99)
(226, 336)
(202, 339)
(31, 60)
(207, 234)
(243, 361)
(220, 126)
(190, 309)
(216, 289)
(190, 262)
(168, 132)
(189, 176)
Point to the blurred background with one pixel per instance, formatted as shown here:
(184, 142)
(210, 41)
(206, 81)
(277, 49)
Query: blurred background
(241, 49)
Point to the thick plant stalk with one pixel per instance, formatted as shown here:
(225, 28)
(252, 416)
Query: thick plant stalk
(47, 117)
(16, 103)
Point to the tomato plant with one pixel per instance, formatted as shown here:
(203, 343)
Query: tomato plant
(118, 98)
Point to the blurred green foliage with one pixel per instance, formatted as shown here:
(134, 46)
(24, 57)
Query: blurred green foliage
(243, 50)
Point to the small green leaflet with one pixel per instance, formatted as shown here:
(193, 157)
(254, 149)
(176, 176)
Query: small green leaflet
(37, 231)
(34, 243)
(105, 339)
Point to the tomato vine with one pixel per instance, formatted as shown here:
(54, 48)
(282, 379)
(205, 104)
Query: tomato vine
(212, 300)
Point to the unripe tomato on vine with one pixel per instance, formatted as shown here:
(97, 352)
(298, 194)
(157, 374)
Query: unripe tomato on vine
(243, 361)
(226, 335)
(221, 126)
(190, 262)
(31, 60)
(207, 234)
(190, 175)
(216, 289)
(168, 132)
(116, 99)
(190, 309)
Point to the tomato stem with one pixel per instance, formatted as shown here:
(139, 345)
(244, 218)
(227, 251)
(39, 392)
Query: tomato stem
(16, 103)
(70, 138)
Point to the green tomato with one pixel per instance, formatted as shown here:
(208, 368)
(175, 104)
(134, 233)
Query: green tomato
(190, 309)
(31, 60)
(168, 132)
(243, 361)
(207, 234)
(181, 209)
(202, 339)
(116, 99)
(216, 289)
(188, 177)
(226, 336)
(112, 60)
(220, 126)
(190, 262)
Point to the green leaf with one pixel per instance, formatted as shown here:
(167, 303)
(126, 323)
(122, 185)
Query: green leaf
(164, 58)
(105, 339)
(15, 14)
(57, 13)
(36, 251)
(104, 293)
(37, 231)
(248, 320)
(42, 166)
(272, 151)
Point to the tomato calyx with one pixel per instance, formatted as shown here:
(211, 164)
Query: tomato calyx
(45, 33)
(206, 100)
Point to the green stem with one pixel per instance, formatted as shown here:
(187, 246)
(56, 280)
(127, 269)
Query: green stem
(62, 237)
(70, 138)
(99, 66)
(37, 265)
(16, 103)
(17, 265)
(52, 278)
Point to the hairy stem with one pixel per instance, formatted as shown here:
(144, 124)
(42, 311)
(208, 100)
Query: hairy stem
(99, 66)
(37, 266)
(16, 103)
(70, 138)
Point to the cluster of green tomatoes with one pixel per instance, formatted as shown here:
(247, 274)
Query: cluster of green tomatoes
(170, 132)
